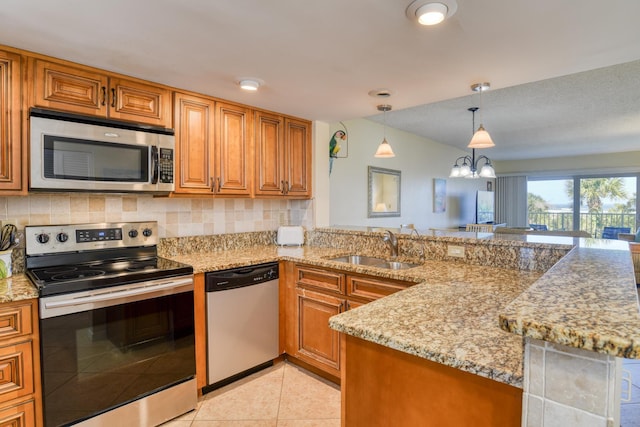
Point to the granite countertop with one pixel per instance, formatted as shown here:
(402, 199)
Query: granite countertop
(587, 300)
(455, 313)
(17, 288)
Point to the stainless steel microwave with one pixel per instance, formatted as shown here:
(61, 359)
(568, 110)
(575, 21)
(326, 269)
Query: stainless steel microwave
(77, 153)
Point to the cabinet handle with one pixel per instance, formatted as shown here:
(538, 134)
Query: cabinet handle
(286, 187)
(219, 185)
(113, 97)
(104, 95)
(282, 187)
(213, 186)
(341, 309)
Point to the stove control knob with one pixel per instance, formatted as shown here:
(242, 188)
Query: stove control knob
(147, 232)
(133, 233)
(42, 238)
(62, 237)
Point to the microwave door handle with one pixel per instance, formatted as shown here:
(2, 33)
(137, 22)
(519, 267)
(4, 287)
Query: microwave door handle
(154, 164)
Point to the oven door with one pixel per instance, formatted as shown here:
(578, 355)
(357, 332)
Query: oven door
(105, 350)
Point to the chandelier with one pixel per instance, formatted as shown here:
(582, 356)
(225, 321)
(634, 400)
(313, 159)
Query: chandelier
(467, 166)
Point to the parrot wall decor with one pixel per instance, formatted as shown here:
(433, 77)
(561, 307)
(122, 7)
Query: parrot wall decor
(334, 145)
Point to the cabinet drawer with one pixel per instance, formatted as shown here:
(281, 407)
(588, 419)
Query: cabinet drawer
(16, 371)
(320, 279)
(15, 320)
(370, 289)
(20, 415)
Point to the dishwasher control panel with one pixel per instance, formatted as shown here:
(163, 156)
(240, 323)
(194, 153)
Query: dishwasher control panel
(241, 276)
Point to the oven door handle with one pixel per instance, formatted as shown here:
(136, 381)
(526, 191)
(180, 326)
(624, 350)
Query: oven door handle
(106, 296)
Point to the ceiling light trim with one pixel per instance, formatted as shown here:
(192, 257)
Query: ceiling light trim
(423, 5)
(250, 84)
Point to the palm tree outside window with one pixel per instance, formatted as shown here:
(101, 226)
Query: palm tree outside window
(584, 203)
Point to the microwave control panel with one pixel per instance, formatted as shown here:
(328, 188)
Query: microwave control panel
(165, 163)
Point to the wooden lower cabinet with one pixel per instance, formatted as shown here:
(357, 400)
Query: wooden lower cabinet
(318, 344)
(19, 415)
(385, 387)
(311, 295)
(20, 387)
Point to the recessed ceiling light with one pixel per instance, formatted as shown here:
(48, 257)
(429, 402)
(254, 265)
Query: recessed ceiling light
(430, 12)
(251, 85)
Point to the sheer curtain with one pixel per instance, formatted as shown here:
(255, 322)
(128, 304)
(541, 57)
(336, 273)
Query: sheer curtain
(511, 201)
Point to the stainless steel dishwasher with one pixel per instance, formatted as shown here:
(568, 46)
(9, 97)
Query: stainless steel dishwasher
(242, 322)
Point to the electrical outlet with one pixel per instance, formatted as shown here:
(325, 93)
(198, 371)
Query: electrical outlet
(9, 221)
(455, 251)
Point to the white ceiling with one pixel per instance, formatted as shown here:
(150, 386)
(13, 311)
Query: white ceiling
(545, 59)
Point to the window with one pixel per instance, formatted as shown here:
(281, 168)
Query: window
(587, 203)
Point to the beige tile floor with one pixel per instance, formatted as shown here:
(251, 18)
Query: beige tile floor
(281, 396)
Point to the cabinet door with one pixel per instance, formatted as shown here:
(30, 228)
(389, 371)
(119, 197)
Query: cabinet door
(63, 87)
(16, 368)
(269, 152)
(318, 344)
(298, 159)
(233, 147)
(139, 102)
(10, 134)
(22, 415)
(194, 144)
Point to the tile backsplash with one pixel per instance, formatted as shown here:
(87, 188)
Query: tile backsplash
(176, 217)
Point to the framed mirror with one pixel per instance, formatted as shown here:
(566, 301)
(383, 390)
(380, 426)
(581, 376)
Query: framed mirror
(384, 192)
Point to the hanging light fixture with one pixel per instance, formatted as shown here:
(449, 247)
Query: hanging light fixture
(481, 138)
(469, 164)
(384, 149)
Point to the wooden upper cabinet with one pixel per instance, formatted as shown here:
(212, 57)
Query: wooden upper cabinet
(233, 164)
(194, 127)
(213, 147)
(86, 91)
(62, 87)
(139, 102)
(283, 156)
(11, 167)
(269, 148)
(298, 161)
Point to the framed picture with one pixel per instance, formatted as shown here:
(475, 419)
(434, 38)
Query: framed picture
(439, 195)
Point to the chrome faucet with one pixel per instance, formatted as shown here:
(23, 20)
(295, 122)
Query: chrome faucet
(392, 241)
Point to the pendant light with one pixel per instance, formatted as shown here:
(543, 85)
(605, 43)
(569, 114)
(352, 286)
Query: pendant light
(481, 138)
(469, 164)
(384, 149)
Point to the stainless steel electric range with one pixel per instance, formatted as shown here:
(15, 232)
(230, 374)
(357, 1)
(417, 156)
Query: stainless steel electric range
(116, 325)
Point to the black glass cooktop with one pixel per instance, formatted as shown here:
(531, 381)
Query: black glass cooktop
(59, 279)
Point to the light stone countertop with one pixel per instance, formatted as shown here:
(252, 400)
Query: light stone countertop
(587, 300)
(17, 288)
(455, 313)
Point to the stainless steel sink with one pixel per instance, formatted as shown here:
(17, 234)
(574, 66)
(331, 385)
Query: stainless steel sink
(374, 262)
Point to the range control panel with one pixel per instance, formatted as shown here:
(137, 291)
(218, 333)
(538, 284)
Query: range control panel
(50, 239)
